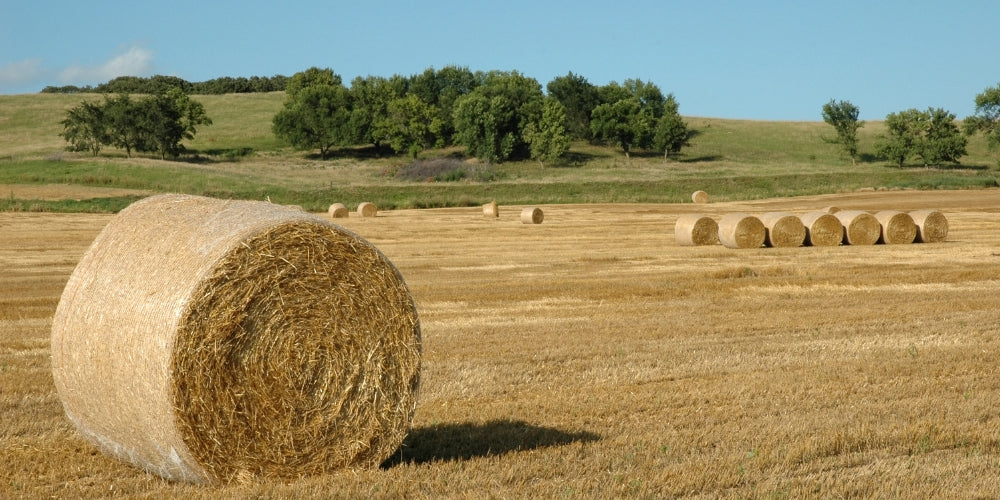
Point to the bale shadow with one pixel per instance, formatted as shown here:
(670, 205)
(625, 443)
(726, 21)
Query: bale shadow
(466, 441)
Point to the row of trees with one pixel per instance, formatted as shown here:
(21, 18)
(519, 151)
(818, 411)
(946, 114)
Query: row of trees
(159, 84)
(156, 123)
(930, 136)
(497, 115)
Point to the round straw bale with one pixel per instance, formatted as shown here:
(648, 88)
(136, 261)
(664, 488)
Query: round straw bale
(696, 229)
(822, 229)
(739, 230)
(532, 215)
(214, 341)
(491, 209)
(783, 229)
(699, 197)
(338, 211)
(860, 228)
(831, 210)
(897, 227)
(366, 209)
(932, 226)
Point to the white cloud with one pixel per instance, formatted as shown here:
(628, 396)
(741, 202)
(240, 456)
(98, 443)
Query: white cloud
(19, 73)
(136, 61)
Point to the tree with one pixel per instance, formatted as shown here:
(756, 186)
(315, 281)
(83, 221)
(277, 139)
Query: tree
(371, 96)
(411, 125)
(318, 116)
(671, 132)
(579, 97)
(629, 114)
(85, 128)
(310, 77)
(547, 137)
(930, 135)
(128, 124)
(491, 119)
(987, 116)
(943, 141)
(843, 117)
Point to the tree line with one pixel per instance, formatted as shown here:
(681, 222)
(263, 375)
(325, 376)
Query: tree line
(159, 83)
(156, 123)
(932, 136)
(496, 115)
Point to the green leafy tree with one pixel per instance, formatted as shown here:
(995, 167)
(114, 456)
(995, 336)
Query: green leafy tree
(931, 135)
(629, 114)
(85, 128)
(441, 89)
(162, 120)
(410, 126)
(986, 119)
(547, 137)
(128, 124)
(903, 136)
(843, 117)
(579, 97)
(371, 97)
(318, 117)
(491, 119)
(942, 139)
(309, 78)
(671, 132)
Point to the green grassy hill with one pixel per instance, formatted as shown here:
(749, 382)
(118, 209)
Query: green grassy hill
(238, 157)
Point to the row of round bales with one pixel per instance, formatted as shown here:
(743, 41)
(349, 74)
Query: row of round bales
(830, 227)
(529, 215)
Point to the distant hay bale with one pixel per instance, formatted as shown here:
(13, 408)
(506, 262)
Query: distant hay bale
(491, 209)
(932, 226)
(783, 229)
(532, 215)
(338, 211)
(831, 210)
(699, 197)
(214, 341)
(860, 228)
(822, 229)
(897, 227)
(366, 209)
(696, 230)
(739, 230)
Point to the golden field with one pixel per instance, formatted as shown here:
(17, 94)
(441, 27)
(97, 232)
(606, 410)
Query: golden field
(591, 356)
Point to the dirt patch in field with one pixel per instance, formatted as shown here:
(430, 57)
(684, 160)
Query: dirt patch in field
(51, 192)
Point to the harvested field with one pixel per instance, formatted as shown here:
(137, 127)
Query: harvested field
(570, 364)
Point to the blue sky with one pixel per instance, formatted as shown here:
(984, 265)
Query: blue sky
(778, 60)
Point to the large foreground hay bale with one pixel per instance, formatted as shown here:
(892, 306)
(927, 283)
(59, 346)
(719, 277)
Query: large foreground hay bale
(211, 341)
(491, 209)
(338, 211)
(532, 215)
(897, 227)
(699, 197)
(783, 229)
(860, 228)
(739, 230)
(822, 229)
(366, 209)
(932, 226)
(696, 229)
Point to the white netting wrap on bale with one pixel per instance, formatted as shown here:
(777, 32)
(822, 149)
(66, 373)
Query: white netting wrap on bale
(212, 341)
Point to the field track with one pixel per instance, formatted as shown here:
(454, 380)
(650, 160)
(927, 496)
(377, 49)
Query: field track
(592, 356)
